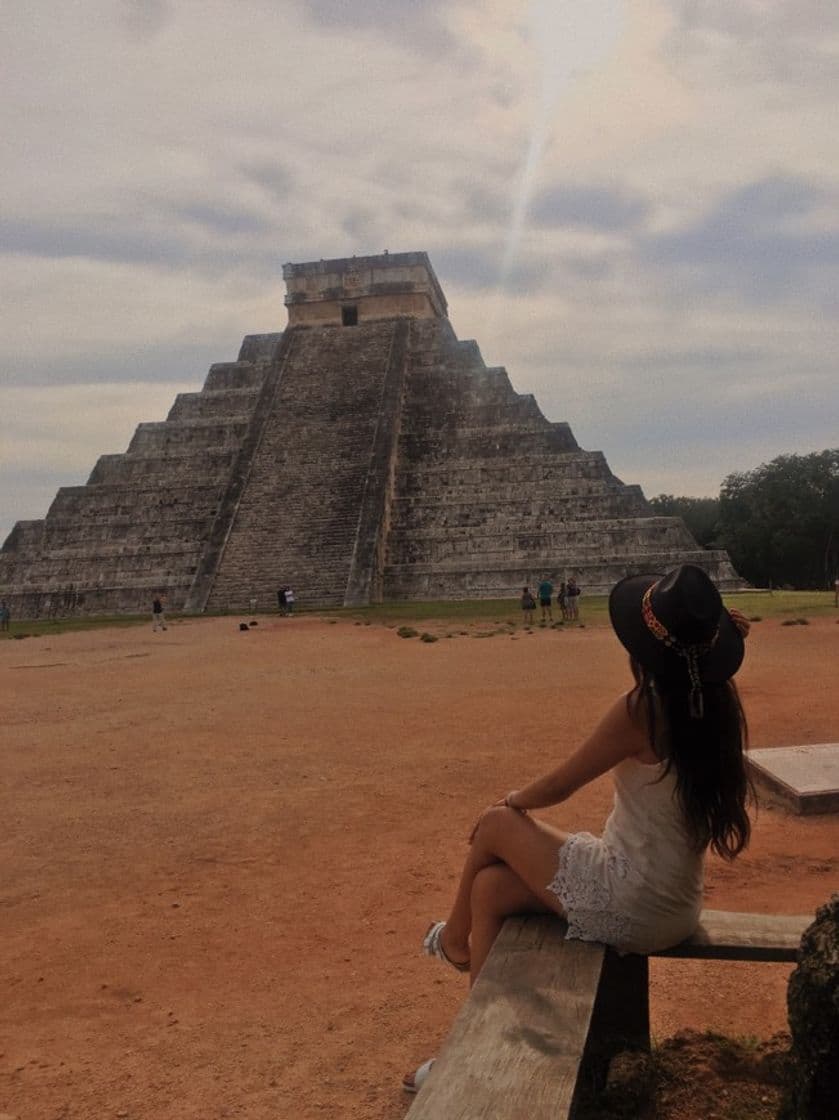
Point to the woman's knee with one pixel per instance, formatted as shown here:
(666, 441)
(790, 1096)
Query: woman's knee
(496, 819)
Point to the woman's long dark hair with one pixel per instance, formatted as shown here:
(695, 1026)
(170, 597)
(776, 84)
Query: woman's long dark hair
(712, 784)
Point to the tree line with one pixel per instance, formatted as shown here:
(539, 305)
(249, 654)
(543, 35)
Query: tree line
(779, 523)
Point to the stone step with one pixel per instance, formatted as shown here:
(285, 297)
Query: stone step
(208, 464)
(464, 506)
(221, 404)
(234, 375)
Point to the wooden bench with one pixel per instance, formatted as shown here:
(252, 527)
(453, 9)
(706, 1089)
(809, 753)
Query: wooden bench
(546, 1010)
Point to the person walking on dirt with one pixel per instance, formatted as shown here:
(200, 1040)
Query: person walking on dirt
(561, 601)
(158, 617)
(528, 605)
(572, 596)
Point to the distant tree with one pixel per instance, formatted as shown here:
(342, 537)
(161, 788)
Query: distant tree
(701, 515)
(780, 522)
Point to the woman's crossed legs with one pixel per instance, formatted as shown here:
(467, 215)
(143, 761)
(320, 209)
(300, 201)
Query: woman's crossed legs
(512, 859)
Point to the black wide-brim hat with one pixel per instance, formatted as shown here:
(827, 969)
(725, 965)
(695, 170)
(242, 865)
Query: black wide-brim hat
(660, 618)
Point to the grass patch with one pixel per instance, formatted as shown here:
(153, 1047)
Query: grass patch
(406, 632)
(782, 604)
(756, 605)
(489, 612)
(41, 628)
(593, 609)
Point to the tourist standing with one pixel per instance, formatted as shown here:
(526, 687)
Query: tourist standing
(561, 601)
(289, 601)
(546, 590)
(528, 605)
(158, 617)
(281, 600)
(5, 615)
(572, 595)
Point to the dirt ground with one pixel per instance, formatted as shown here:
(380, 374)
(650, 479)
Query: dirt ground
(221, 850)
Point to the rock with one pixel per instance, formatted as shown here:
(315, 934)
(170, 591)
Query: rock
(813, 1004)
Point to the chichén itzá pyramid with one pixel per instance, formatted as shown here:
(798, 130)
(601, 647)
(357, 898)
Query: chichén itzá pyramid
(364, 453)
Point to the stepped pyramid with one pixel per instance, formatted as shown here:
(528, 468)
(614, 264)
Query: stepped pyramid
(364, 453)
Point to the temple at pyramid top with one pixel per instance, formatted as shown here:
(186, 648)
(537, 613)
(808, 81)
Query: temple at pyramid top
(364, 453)
(352, 290)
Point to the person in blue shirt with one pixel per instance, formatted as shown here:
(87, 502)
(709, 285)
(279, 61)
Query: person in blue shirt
(546, 590)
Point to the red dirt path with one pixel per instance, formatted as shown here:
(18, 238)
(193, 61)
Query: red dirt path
(222, 848)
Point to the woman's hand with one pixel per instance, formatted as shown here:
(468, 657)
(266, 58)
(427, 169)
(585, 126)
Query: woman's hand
(740, 621)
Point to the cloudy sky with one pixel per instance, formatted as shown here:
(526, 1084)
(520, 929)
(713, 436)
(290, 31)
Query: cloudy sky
(632, 204)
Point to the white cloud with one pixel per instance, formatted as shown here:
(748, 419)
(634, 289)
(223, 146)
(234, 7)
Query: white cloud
(671, 290)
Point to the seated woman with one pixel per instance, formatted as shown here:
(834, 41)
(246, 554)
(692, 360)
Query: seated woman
(675, 744)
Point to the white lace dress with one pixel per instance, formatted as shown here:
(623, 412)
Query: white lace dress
(639, 887)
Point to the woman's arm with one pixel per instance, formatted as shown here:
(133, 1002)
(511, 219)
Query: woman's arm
(616, 737)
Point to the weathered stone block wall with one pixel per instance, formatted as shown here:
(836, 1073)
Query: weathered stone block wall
(491, 496)
(212, 404)
(140, 524)
(158, 469)
(369, 308)
(380, 287)
(234, 375)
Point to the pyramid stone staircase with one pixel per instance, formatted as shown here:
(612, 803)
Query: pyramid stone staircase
(316, 474)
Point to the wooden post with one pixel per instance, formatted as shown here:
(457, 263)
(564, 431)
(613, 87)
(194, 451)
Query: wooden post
(621, 1016)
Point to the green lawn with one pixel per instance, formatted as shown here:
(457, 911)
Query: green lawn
(43, 628)
(593, 608)
(783, 604)
(593, 612)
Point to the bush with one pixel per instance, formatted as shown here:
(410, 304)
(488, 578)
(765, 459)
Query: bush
(406, 632)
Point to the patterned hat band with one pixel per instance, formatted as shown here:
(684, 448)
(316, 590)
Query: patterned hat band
(690, 653)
